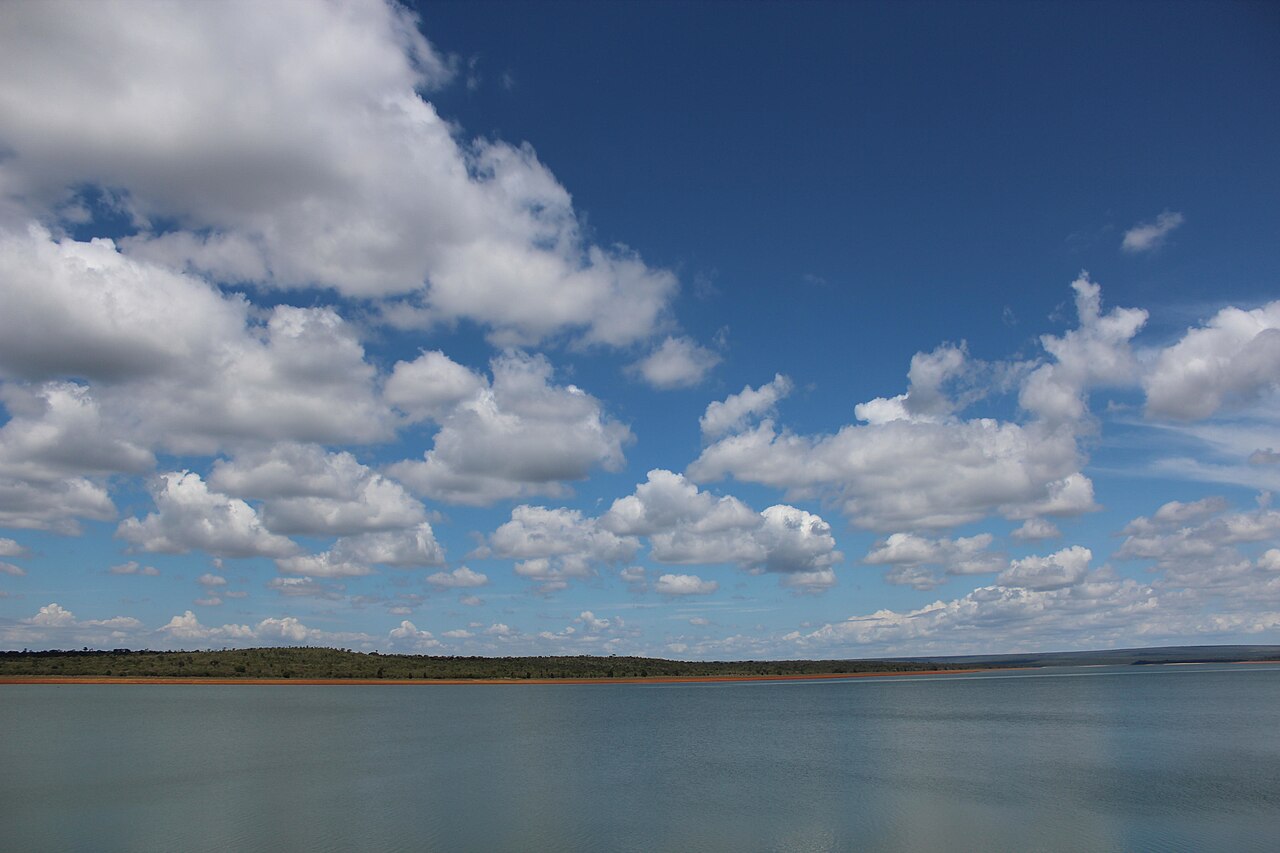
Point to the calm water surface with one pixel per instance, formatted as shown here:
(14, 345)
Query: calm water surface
(1134, 758)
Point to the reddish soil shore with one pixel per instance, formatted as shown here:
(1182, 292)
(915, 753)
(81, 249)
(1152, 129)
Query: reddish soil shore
(692, 679)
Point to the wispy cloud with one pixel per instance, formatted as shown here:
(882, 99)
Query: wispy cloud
(1149, 236)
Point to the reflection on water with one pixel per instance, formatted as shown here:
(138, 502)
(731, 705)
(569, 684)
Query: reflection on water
(1163, 758)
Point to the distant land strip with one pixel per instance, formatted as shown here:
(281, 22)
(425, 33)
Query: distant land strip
(305, 663)
(684, 679)
(324, 665)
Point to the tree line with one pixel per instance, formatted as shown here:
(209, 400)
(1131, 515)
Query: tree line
(308, 662)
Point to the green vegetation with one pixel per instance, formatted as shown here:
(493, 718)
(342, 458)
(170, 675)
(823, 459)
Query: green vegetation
(304, 662)
(337, 663)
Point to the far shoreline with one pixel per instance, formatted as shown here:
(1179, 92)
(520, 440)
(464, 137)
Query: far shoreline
(366, 682)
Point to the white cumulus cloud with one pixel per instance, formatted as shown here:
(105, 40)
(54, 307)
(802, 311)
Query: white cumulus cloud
(732, 413)
(1231, 360)
(676, 363)
(1064, 568)
(460, 578)
(521, 435)
(555, 545)
(318, 168)
(190, 517)
(688, 526)
(11, 548)
(684, 585)
(309, 491)
(914, 463)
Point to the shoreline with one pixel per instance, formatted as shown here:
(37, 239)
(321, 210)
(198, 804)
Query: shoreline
(366, 682)
(60, 680)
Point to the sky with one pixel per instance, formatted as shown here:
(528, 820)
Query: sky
(699, 331)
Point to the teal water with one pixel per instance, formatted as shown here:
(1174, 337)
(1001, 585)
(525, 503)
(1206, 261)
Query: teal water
(1134, 758)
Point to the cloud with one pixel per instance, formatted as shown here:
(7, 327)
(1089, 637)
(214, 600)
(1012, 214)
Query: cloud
(53, 506)
(188, 627)
(407, 548)
(186, 631)
(1094, 354)
(190, 517)
(308, 491)
(1226, 448)
(909, 555)
(11, 569)
(10, 548)
(732, 414)
(318, 168)
(1203, 545)
(795, 542)
(460, 578)
(916, 577)
(1230, 361)
(1214, 577)
(1102, 611)
(57, 430)
(1036, 529)
(684, 585)
(56, 433)
(219, 374)
(592, 622)
(913, 463)
(354, 556)
(52, 615)
(814, 582)
(556, 545)
(327, 564)
(688, 526)
(1264, 456)
(133, 567)
(83, 309)
(431, 386)
(676, 363)
(53, 626)
(926, 399)
(909, 474)
(408, 635)
(666, 501)
(1064, 568)
(1149, 236)
(304, 587)
(412, 547)
(1177, 512)
(271, 383)
(519, 436)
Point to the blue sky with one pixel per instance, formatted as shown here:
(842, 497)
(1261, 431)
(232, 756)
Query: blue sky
(688, 330)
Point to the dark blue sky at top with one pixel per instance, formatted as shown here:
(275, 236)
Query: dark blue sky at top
(901, 147)
(844, 160)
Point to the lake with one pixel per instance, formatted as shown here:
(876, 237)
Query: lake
(1092, 758)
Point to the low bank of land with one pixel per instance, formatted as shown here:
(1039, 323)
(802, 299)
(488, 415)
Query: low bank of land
(324, 665)
(338, 664)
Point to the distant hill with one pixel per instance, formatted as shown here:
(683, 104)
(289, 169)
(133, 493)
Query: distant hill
(338, 663)
(302, 662)
(1117, 657)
